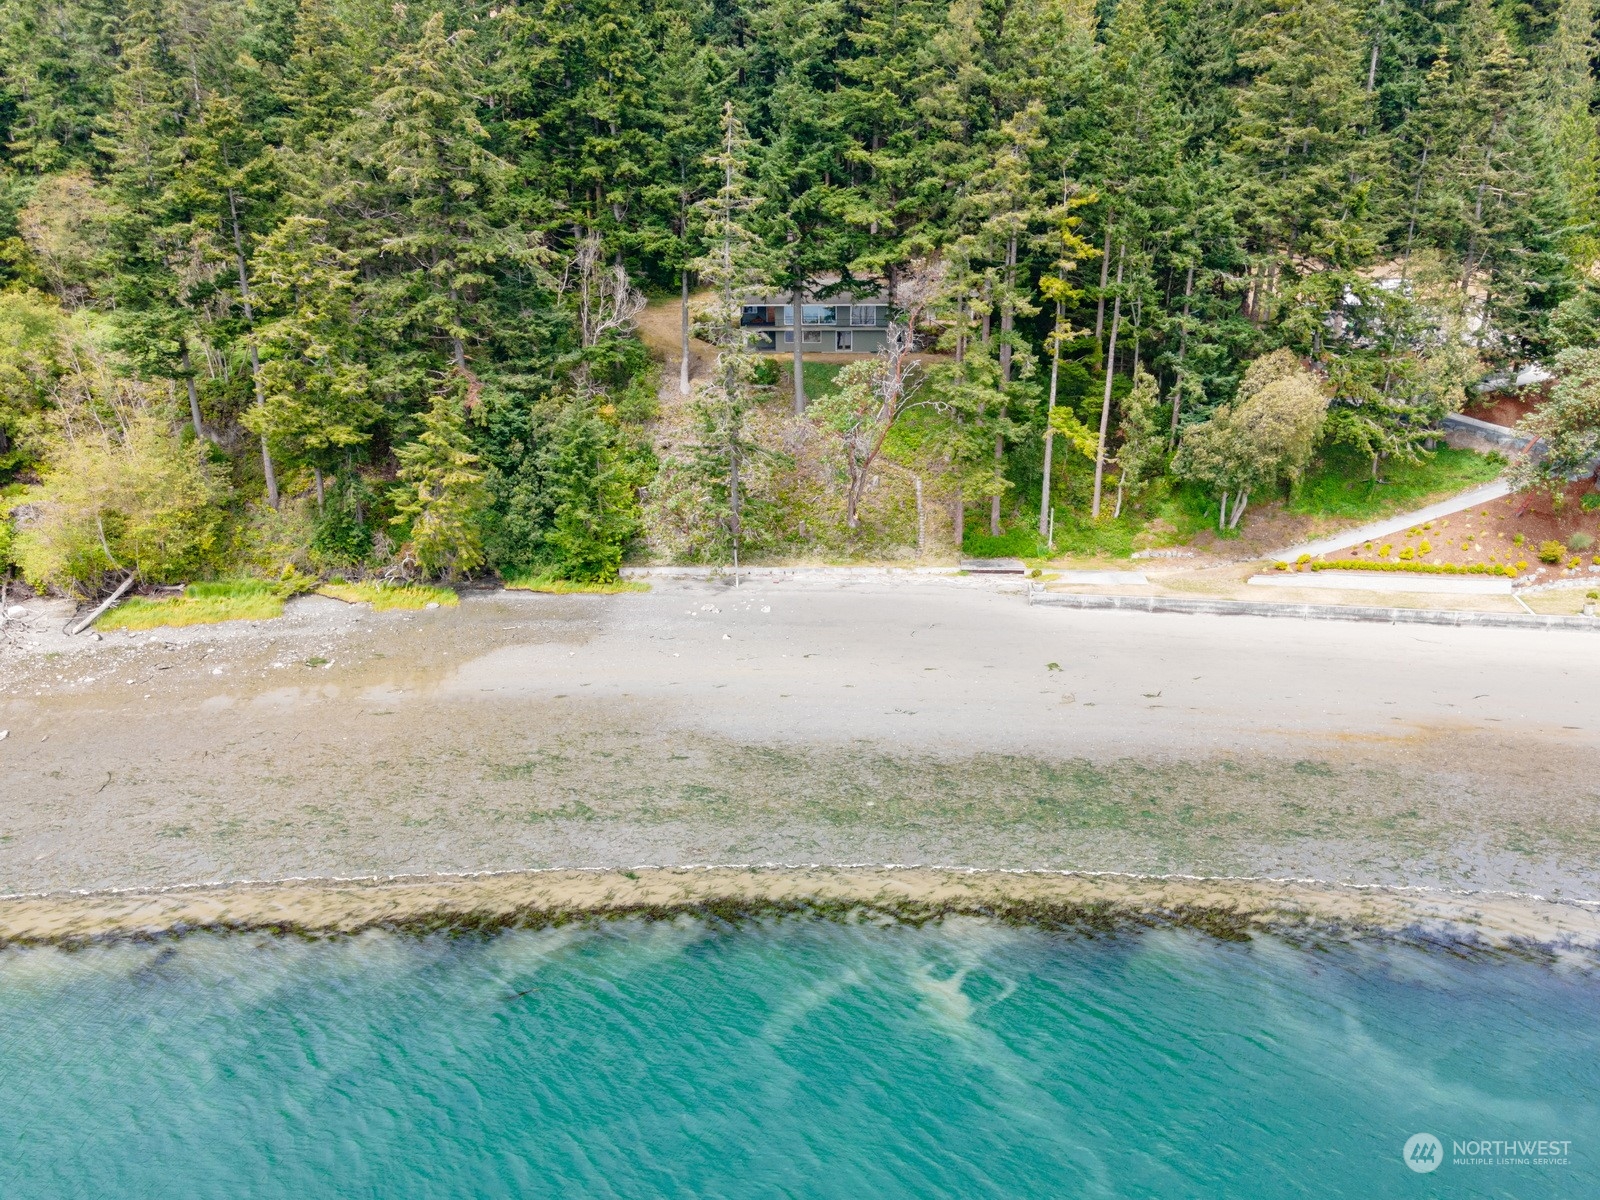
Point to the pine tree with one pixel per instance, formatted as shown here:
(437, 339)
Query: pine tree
(316, 391)
(1003, 203)
(1566, 101)
(226, 183)
(426, 172)
(679, 176)
(55, 79)
(736, 265)
(805, 160)
(1143, 439)
(1068, 250)
(1305, 147)
(440, 499)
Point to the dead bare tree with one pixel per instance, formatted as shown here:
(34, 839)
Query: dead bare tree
(606, 297)
(874, 394)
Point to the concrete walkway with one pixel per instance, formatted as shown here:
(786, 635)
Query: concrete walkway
(1397, 524)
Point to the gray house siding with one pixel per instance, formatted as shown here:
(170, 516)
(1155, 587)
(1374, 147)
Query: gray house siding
(840, 325)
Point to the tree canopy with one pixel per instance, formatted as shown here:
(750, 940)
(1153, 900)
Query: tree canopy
(403, 246)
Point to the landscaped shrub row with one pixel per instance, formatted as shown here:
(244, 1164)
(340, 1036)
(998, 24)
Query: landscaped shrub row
(1412, 568)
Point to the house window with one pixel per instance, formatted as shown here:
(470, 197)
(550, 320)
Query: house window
(811, 337)
(866, 314)
(788, 336)
(817, 314)
(788, 315)
(842, 340)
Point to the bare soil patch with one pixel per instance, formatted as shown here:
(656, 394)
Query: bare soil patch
(1500, 408)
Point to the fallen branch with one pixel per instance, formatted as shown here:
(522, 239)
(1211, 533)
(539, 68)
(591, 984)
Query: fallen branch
(74, 630)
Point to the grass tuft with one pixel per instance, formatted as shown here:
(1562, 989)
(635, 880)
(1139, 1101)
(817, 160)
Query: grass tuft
(386, 596)
(568, 587)
(200, 604)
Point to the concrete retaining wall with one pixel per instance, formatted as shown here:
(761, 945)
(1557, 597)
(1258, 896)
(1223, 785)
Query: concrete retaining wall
(1469, 433)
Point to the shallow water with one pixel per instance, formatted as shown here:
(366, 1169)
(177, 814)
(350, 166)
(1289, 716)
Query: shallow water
(793, 1057)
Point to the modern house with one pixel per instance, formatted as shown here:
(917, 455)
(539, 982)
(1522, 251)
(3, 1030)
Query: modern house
(843, 325)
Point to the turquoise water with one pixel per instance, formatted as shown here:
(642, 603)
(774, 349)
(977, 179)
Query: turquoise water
(794, 1057)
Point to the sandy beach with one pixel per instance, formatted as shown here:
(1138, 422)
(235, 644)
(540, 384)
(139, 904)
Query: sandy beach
(932, 722)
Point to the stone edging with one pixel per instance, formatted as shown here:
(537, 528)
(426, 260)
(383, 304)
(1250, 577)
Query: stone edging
(1311, 612)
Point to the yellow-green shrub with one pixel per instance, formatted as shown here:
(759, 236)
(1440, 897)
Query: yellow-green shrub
(143, 502)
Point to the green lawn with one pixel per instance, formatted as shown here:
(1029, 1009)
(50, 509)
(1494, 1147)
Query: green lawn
(819, 375)
(1181, 509)
(1340, 483)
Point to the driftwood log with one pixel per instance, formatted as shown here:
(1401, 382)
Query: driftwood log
(80, 626)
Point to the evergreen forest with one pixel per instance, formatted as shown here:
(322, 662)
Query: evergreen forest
(303, 287)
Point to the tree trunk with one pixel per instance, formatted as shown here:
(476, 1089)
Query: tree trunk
(922, 529)
(1183, 346)
(683, 366)
(1100, 305)
(1222, 514)
(1049, 433)
(734, 524)
(994, 500)
(1105, 404)
(799, 367)
(270, 475)
(1007, 318)
(1007, 313)
(1240, 503)
(79, 626)
(1411, 225)
(958, 519)
(316, 476)
(1138, 331)
(194, 395)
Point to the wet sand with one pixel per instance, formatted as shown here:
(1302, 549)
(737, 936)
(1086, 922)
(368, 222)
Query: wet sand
(934, 722)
